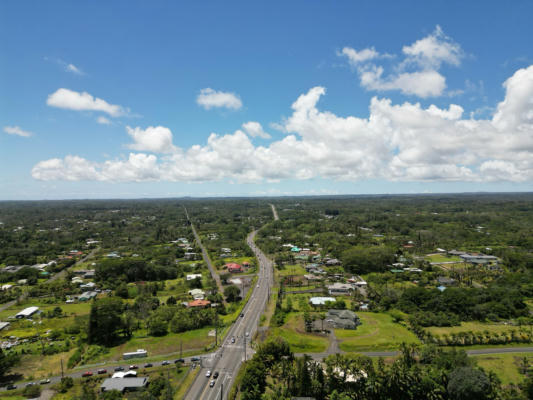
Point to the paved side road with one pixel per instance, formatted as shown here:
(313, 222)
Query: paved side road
(494, 350)
(206, 258)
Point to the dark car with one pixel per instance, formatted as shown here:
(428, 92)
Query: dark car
(86, 374)
(134, 367)
(215, 375)
(212, 383)
(148, 365)
(11, 387)
(102, 371)
(195, 359)
(179, 360)
(242, 315)
(117, 369)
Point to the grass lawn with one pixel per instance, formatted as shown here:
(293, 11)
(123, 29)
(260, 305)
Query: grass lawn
(293, 332)
(377, 332)
(36, 366)
(186, 381)
(195, 340)
(476, 327)
(442, 258)
(506, 366)
(295, 269)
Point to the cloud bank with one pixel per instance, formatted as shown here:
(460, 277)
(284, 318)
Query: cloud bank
(396, 142)
(417, 74)
(71, 100)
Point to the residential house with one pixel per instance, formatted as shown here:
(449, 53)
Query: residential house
(340, 289)
(198, 304)
(190, 277)
(197, 294)
(342, 319)
(234, 268)
(85, 296)
(124, 384)
(27, 312)
(321, 301)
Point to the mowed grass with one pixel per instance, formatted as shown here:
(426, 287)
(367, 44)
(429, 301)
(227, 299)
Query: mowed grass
(293, 331)
(377, 332)
(506, 366)
(295, 269)
(476, 327)
(442, 258)
(195, 340)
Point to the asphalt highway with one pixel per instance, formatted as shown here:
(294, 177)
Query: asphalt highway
(228, 359)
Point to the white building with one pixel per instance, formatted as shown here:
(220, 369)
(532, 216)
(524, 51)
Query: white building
(321, 301)
(27, 312)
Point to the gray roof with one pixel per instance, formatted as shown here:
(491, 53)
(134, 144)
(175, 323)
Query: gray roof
(122, 384)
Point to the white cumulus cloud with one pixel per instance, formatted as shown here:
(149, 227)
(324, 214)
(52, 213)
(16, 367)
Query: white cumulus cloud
(254, 129)
(155, 139)
(17, 130)
(395, 142)
(417, 74)
(71, 100)
(209, 98)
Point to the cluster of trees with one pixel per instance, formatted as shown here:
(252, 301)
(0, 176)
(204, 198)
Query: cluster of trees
(113, 271)
(418, 373)
(493, 303)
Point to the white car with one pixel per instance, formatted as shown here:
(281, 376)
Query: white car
(208, 374)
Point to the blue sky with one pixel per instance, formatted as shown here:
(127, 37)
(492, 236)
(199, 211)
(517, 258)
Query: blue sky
(156, 99)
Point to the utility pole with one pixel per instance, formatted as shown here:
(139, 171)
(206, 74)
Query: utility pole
(181, 349)
(221, 390)
(62, 374)
(244, 342)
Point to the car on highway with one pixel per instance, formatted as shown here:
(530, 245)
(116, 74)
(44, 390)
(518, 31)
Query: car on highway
(87, 374)
(232, 340)
(133, 367)
(247, 334)
(11, 387)
(212, 383)
(165, 362)
(215, 375)
(257, 286)
(195, 359)
(102, 371)
(117, 369)
(179, 360)
(45, 382)
(208, 373)
(242, 315)
(148, 365)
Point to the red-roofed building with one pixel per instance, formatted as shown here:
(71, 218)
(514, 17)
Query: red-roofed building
(199, 303)
(246, 264)
(233, 267)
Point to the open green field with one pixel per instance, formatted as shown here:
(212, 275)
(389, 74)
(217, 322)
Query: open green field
(377, 332)
(195, 340)
(477, 327)
(295, 269)
(442, 258)
(505, 366)
(293, 331)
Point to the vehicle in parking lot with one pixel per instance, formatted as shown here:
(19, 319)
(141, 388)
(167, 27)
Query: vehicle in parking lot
(165, 362)
(102, 371)
(212, 383)
(208, 373)
(11, 387)
(148, 365)
(215, 375)
(45, 381)
(117, 369)
(86, 374)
